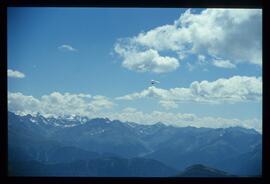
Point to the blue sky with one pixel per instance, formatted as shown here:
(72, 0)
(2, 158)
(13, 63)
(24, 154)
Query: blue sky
(114, 53)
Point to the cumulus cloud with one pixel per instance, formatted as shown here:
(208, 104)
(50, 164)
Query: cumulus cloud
(181, 119)
(22, 104)
(232, 34)
(168, 104)
(15, 74)
(65, 47)
(58, 104)
(223, 64)
(230, 90)
(146, 60)
(101, 102)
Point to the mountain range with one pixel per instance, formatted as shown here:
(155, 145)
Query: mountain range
(79, 146)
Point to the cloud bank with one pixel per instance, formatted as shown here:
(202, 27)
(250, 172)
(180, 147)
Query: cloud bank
(58, 104)
(65, 104)
(233, 35)
(230, 90)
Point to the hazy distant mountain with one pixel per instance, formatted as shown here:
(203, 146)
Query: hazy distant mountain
(70, 139)
(199, 170)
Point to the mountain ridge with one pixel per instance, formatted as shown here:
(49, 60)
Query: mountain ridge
(85, 120)
(176, 147)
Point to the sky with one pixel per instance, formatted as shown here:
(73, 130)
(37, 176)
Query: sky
(99, 62)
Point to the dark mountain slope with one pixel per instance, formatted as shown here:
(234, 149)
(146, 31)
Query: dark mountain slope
(100, 167)
(199, 170)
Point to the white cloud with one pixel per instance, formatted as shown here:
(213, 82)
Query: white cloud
(65, 47)
(129, 109)
(149, 92)
(232, 34)
(101, 102)
(168, 104)
(22, 104)
(145, 61)
(223, 64)
(15, 74)
(181, 119)
(58, 104)
(231, 90)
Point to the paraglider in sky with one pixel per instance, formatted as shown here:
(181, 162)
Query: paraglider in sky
(154, 82)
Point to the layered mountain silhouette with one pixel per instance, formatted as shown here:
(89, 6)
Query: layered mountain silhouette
(79, 146)
(99, 167)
